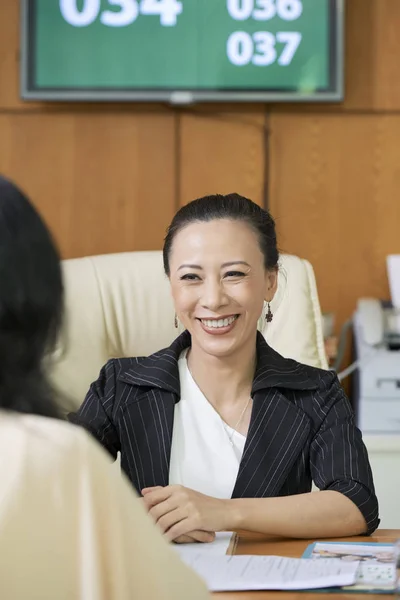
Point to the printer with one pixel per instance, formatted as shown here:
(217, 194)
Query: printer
(376, 381)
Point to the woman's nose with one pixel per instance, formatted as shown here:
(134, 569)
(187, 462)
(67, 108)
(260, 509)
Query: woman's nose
(213, 296)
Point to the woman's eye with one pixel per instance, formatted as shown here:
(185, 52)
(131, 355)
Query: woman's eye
(189, 277)
(234, 274)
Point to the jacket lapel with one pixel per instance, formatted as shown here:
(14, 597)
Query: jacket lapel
(148, 423)
(148, 419)
(276, 436)
(278, 428)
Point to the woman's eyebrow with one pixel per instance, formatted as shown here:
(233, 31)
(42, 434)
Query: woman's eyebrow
(190, 267)
(235, 262)
(226, 264)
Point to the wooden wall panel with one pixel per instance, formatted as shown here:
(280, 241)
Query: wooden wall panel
(9, 53)
(382, 48)
(104, 182)
(372, 68)
(334, 193)
(10, 56)
(223, 152)
(372, 47)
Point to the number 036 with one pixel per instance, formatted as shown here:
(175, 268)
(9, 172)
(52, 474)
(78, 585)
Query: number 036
(264, 10)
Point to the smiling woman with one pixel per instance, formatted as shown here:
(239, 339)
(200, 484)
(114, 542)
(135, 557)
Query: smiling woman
(218, 431)
(218, 301)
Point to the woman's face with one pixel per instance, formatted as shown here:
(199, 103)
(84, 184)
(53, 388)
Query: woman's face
(219, 284)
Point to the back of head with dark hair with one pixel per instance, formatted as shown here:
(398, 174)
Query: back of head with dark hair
(230, 206)
(31, 302)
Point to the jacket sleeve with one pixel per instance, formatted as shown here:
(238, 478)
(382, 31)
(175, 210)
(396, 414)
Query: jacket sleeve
(338, 456)
(96, 412)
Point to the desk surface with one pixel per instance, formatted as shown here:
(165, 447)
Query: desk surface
(255, 544)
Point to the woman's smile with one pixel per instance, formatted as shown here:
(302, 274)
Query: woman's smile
(219, 325)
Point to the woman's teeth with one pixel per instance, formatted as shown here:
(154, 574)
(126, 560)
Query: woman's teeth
(219, 322)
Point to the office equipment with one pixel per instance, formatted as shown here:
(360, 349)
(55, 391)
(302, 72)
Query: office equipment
(182, 52)
(393, 269)
(376, 382)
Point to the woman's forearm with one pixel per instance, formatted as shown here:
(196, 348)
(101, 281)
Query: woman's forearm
(317, 514)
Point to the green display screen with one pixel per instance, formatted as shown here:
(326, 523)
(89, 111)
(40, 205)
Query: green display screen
(182, 50)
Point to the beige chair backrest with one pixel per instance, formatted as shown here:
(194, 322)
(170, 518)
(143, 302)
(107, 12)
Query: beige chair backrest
(120, 305)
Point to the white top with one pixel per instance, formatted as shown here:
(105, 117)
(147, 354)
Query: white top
(202, 455)
(71, 527)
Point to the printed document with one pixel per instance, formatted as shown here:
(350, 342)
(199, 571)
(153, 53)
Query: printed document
(231, 573)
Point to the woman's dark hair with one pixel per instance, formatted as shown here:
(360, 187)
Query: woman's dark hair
(31, 304)
(230, 206)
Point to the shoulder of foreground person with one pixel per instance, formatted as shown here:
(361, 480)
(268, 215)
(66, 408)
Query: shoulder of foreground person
(153, 568)
(122, 552)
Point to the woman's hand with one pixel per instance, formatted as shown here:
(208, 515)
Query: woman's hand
(202, 537)
(193, 537)
(180, 511)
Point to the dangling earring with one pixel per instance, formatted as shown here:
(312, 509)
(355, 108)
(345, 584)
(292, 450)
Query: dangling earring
(176, 322)
(268, 315)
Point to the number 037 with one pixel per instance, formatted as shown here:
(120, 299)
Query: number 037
(260, 48)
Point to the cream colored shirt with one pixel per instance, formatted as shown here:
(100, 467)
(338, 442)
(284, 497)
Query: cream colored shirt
(72, 528)
(205, 451)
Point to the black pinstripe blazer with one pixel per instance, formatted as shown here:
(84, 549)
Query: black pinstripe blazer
(301, 429)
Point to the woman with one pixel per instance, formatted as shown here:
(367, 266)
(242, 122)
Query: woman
(69, 528)
(218, 431)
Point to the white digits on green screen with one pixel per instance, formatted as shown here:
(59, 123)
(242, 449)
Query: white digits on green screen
(265, 53)
(128, 12)
(240, 10)
(264, 10)
(292, 40)
(260, 48)
(167, 9)
(80, 18)
(289, 10)
(239, 48)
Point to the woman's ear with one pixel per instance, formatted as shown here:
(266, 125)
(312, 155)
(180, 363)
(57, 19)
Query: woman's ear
(271, 284)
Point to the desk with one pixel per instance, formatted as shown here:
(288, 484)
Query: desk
(256, 544)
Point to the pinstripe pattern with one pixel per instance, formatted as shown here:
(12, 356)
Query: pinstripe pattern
(301, 429)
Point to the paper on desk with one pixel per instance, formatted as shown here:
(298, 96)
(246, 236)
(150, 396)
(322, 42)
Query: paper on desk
(377, 571)
(218, 547)
(239, 573)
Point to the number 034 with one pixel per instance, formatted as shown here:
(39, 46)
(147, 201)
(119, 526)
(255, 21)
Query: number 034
(127, 13)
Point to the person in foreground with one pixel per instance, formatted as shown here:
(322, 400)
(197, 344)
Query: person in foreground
(218, 431)
(69, 527)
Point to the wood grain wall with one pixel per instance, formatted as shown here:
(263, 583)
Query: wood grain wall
(108, 178)
(335, 170)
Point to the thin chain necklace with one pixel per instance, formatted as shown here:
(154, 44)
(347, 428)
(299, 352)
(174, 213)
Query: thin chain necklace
(234, 429)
